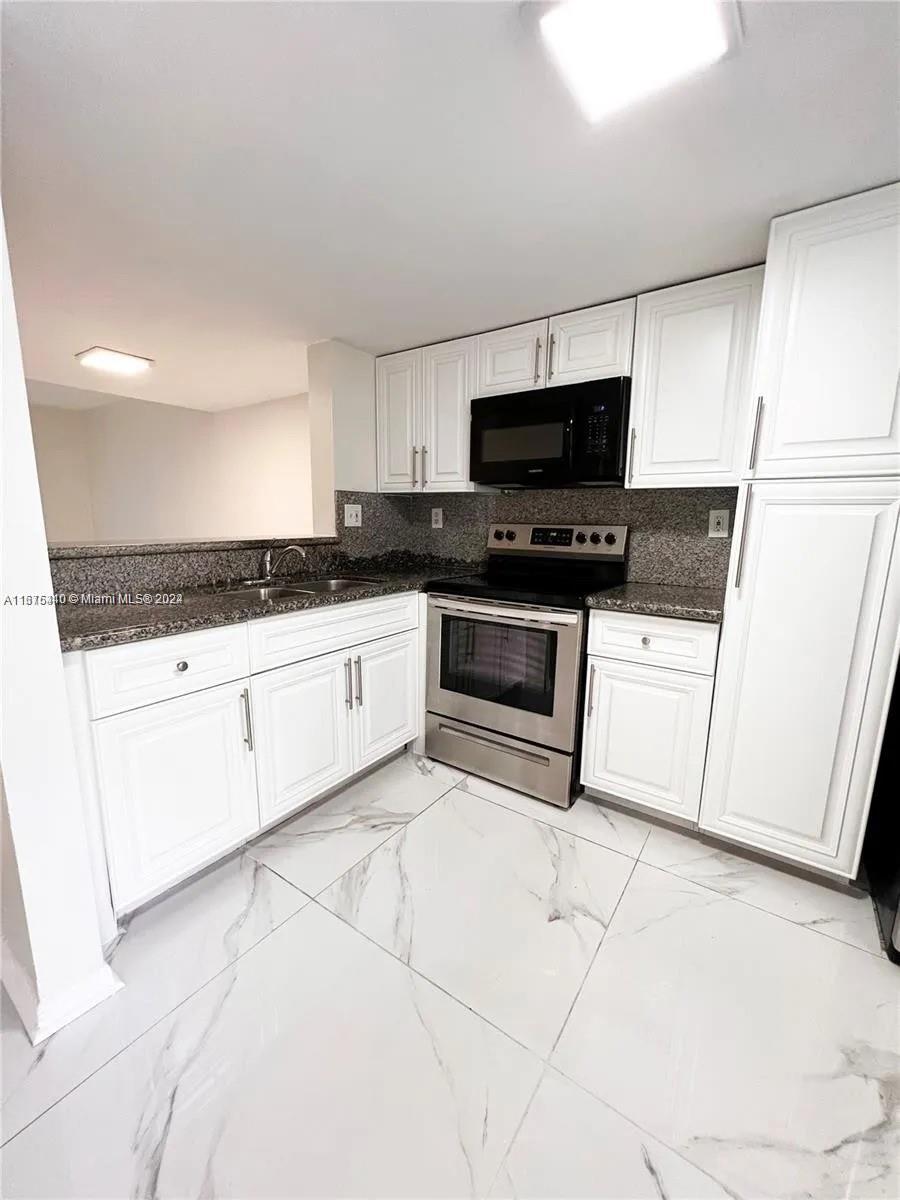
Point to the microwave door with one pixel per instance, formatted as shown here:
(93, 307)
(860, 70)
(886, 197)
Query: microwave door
(520, 447)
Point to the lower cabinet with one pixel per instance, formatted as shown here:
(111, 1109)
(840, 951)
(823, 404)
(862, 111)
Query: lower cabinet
(645, 735)
(178, 785)
(303, 742)
(320, 721)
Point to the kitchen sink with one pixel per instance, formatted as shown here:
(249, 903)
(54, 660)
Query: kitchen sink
(265, 593)
(333, 585)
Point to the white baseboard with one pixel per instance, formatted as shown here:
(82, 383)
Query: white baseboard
(45, 1016)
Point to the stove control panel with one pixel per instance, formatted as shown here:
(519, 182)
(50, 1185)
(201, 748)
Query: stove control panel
(585, 541)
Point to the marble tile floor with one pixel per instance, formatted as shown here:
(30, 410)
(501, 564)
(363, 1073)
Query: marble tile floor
(430, 985)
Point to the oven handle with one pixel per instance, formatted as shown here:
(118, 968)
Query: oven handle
(549, 619)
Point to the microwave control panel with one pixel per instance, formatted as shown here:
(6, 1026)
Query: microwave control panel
(597, 541)
(597, 431)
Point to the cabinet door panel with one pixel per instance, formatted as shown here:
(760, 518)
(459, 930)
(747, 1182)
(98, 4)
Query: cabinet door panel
(398, 391)
(386, 680)
(594, 343)
(807, 650)
(645, 735)
(449, 384)
(302, 732)
(694, 348)
(177, 787)
(513, 360)
(829, 361)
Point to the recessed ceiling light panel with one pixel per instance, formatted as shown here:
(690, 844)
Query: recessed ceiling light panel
(114, 361)
(613, 52)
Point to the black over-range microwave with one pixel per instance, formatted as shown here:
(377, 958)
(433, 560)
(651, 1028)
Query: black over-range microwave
(555, 437)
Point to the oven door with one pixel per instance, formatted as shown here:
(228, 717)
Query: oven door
(505, 667)
(521, 439)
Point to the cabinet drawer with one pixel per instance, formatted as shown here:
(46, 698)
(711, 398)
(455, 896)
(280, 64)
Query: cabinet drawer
(125, 677)
(656, 641)
(277, 641)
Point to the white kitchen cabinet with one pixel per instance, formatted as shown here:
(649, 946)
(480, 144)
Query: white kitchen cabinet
(178, 787)
(829, 353)
(808, 650)
(302, 717)
(398, 399)
(448, 388)
(645, 735)
(423, 398)
(513, 359)
(691, 386)
(593, 343)
(386, 706)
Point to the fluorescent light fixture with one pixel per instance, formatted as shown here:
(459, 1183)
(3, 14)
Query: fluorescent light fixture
(612, 52)
(114, 361)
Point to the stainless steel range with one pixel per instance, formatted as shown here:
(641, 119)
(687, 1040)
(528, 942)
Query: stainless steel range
(506, 655)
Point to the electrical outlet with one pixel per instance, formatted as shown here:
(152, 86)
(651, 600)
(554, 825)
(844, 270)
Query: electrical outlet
(437, 518)
(353, 516)
(718, 522)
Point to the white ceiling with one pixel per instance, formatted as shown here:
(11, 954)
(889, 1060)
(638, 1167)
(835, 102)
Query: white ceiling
(216, 185)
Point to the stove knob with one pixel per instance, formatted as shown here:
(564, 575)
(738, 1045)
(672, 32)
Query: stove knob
(580, 538)
(498, 535)
(510, 535)
(610, 539)
(595, 539)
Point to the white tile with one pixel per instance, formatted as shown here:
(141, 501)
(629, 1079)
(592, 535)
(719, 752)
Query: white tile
(165, 954)
(317, 1065)
(816, 906)
(587, 818)
(503, 912)
(322, 842)
(764, 1053)
(575, 1146)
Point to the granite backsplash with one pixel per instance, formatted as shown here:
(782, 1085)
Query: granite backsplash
(668, 531)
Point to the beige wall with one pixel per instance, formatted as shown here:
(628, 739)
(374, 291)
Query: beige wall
(133, 471)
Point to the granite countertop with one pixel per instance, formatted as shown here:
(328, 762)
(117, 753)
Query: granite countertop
(662, 600)
(87, 626)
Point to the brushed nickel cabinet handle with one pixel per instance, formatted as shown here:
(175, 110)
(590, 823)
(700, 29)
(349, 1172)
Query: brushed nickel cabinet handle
(248, 719)
(181, 666)
(631, 456)
(359, 680)
(537, 360)
(754, 441)
(591, 689)
(740, 561)
(424, 471)
(645, 641)
(348, 683)
(550, 356)
(415, 451)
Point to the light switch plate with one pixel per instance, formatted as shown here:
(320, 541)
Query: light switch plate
(353, 516)
(718, 522)
(437, 518)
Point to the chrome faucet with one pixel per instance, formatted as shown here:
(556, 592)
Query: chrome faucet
(270, 568)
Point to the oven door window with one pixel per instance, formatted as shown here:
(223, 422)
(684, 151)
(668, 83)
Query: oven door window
(505, 664)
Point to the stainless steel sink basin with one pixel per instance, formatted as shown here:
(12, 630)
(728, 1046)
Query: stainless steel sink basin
(332, 585)
(265, 593)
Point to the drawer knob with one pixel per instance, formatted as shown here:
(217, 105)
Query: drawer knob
(645, 641)
(182, 666)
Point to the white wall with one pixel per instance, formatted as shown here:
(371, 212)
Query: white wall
(64, 974)
(126, 470)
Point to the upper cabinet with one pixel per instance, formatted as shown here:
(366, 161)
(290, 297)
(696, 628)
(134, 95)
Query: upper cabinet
(423, 399)
(398, 399)
(513, 359)
(690, 392)
(829, 355)
(594, 343)
(449, 384)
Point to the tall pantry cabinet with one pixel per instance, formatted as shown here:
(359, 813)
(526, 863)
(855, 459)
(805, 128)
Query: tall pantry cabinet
(812, 616)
